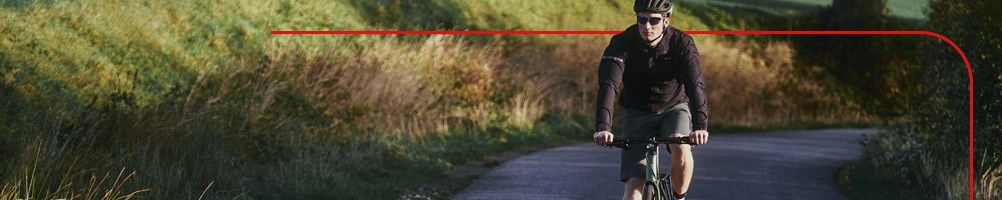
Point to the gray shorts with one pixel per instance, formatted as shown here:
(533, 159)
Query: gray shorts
(640, 124)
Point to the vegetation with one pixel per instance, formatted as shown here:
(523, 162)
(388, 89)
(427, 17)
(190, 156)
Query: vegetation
(194, 99)
(875, 70)
(922, 153)
(927, 148)
(864, 180)
(907, 10)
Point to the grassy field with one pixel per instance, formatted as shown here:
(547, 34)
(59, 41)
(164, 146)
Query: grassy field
(791, 14)
(903, 9)
(195, 99)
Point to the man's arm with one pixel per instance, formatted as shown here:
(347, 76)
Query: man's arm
(693, 82)
(610, 76)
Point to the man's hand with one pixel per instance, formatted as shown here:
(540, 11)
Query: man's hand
(603, 138)
(699, 136)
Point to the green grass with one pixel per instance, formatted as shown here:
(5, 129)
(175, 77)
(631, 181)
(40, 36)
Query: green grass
(790, 15)
(902, 9)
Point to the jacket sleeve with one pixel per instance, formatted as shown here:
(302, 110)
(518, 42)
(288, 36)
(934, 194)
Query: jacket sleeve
(610, 76)
(693, 82)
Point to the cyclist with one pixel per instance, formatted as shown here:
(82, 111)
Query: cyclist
(662, 88)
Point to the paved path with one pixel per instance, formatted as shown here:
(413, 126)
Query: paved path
(771, 165)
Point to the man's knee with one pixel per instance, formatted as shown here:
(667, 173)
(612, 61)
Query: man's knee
(680, 149)
(635, 183)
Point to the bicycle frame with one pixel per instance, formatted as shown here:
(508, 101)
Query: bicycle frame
(660, 183)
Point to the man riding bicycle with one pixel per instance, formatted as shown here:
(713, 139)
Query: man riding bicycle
(662, 92)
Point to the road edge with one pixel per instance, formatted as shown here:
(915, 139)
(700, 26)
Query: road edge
(454, 180)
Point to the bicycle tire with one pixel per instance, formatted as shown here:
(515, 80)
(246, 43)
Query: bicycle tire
(649, 192)
(657, 191)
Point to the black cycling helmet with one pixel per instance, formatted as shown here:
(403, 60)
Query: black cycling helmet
(653, 6)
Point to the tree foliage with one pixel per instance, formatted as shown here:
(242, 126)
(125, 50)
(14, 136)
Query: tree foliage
(874, 69)
(976, 26)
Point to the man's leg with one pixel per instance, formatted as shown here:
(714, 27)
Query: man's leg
(678, 122)
(681, 166)
(637, 124)
(634, 186)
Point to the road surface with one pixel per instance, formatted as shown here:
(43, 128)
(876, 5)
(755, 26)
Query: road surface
(770, 165)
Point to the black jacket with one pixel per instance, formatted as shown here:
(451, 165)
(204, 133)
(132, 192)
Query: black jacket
(653, 79)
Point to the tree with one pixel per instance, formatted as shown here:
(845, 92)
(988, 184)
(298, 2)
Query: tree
(874, 69)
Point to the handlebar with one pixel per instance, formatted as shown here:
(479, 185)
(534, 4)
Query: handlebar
(628, 144)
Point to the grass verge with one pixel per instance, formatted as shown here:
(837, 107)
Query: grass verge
(863, 180)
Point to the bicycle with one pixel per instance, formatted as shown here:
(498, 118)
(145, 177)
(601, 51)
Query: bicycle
(657, 186)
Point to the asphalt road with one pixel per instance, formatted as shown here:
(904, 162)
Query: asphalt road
(771, 165)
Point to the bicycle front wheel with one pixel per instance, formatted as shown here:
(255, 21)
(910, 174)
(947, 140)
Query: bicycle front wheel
(656, 191)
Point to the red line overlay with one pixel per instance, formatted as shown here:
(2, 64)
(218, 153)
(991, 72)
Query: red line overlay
(970, 74)
(388, 32)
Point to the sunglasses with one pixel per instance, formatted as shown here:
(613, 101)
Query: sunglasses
(653, 21)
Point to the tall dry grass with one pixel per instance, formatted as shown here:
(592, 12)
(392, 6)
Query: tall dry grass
(989, 183)
(48, 169)
(947, 182)
(398, 87)
(748, 86)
